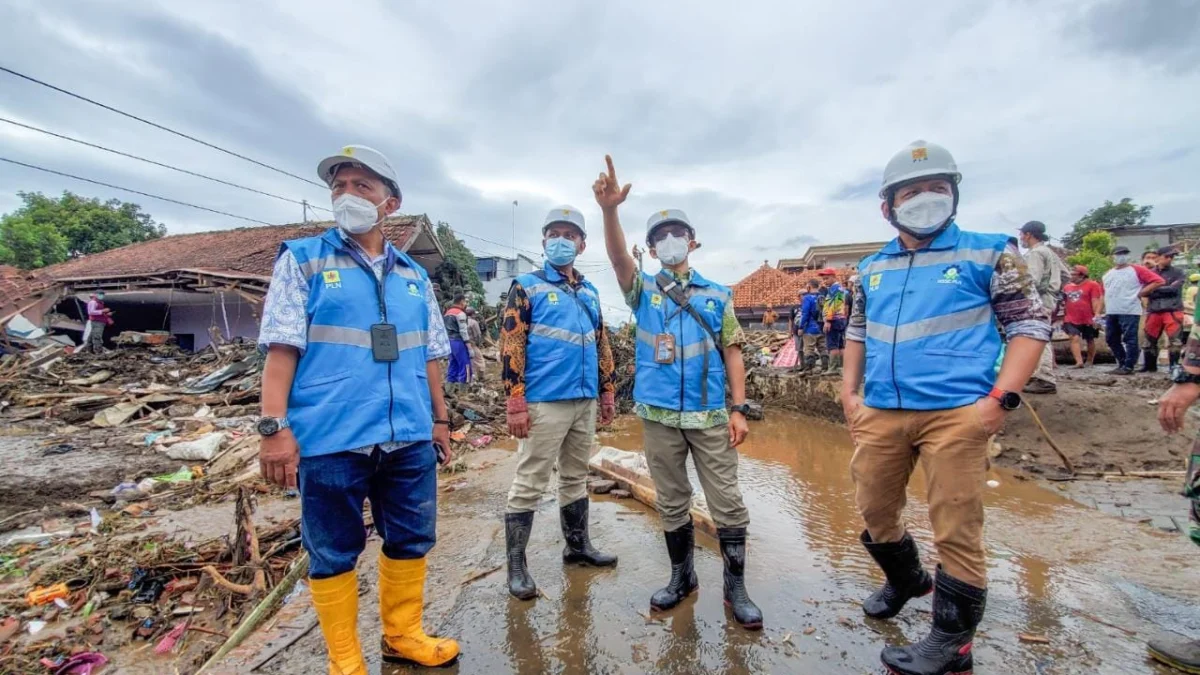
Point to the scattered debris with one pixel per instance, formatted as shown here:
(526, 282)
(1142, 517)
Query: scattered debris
(1031, 638)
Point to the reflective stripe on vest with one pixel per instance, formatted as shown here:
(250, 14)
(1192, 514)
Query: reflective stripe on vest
(339, 335)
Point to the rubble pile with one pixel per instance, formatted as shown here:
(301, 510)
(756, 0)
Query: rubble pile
(96, 590)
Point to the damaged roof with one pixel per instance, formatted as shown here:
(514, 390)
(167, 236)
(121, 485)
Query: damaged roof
(770, 286)
(17, 286)
(246, 250)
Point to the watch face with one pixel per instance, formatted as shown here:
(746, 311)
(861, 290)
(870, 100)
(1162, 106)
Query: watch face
(267, 426)
(1010, 400)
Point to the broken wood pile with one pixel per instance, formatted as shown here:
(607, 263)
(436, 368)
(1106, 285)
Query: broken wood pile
(105, 590)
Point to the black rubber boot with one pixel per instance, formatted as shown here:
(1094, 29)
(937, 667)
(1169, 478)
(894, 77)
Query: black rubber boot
(516, 536)
(579, 548)
(1173, 357)
(683, 581)
(733, 552)
(906, 579)
(957, 610)
(1178, 652)
(1150, 358)
(824, 362)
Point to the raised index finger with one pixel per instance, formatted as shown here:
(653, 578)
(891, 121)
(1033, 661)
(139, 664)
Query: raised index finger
(612, 172)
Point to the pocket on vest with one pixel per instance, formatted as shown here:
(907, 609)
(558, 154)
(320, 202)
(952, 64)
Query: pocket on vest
(324, 379)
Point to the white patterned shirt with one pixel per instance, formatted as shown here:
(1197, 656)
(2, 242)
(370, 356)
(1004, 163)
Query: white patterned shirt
(285, 314)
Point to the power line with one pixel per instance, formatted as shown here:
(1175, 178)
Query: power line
(136, 192)
(159, 126)
(150, 161)
(508, 246)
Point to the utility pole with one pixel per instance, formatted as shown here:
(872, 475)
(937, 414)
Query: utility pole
(304, 204)
(514, 233)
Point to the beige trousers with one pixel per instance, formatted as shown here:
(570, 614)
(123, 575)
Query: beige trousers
(952, 448)
(716, 462)
(1045, 367)
(562, 432)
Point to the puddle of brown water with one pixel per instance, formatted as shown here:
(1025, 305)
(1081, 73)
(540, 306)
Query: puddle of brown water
(1052, 564)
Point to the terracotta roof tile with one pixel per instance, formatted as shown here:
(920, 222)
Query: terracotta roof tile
(771, 286)
(249, 250)
(17, 285)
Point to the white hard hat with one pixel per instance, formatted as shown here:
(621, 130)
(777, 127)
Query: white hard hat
(363, 156)
(918, 159)
(565, 214)
(664, 217)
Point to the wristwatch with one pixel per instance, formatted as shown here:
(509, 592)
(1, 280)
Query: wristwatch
(269, 426)
(1009, 400)
(1181, 376)
(743, 408)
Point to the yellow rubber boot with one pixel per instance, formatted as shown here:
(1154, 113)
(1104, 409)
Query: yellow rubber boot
(401, 596)
(336, 602)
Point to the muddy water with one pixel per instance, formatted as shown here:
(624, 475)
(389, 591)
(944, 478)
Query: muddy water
(1057, 570)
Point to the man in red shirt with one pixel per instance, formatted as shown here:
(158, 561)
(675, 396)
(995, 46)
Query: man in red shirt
(1084, 301)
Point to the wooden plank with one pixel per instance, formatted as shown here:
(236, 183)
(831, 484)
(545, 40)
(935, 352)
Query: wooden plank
(629, 470)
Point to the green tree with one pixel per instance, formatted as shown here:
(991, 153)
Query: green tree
(1095, 254)
(457, 272)
(89, 225)
(29, 244)
(1122, 214)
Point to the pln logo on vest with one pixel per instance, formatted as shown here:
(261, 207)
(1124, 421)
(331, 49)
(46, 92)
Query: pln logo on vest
(552, 297)
(332, 279)
(710, 305)
(413, 289)
(874, 281)
(951, 275)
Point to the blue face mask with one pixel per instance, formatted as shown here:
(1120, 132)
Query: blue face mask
(560, 251)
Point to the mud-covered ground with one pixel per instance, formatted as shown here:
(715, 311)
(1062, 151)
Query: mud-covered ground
(1102, 422)
(1088, 587)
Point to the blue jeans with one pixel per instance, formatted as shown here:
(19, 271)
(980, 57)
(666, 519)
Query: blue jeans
(1121, 334)
(460, 361)
(836, 337)
(402, 485)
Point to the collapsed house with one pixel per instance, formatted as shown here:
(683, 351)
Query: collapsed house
(195, 288)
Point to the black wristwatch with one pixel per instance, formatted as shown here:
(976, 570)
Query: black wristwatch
(1181, 376)
(1009, 400)
(269, 426)
(743, 408)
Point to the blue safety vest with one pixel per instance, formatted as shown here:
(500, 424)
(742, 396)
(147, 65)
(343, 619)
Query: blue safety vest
(561, 361)
(932, 340)
(678, 385)
(341, 398)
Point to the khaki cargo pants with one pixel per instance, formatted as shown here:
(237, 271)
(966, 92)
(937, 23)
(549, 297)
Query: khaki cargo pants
(952, 448)
(562, 432)
(716, 462)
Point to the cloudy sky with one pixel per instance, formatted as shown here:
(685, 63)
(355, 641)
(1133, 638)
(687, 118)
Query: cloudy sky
(768, 122)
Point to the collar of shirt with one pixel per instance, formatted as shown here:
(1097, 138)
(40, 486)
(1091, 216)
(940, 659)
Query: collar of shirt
(349, 241)
(575, 278)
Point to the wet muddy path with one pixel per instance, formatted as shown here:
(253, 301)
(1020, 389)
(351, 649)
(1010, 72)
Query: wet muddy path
(1094, 586)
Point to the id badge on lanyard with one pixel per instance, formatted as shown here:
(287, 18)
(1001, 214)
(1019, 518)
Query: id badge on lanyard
(664, 348)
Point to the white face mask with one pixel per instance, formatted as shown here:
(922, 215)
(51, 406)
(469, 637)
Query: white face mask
(354, 214)
(925, 213)
(672, 250)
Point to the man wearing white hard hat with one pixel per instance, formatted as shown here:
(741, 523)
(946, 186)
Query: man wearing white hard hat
(922, 344)
(557, 363)
(352, 409)
(689, 345)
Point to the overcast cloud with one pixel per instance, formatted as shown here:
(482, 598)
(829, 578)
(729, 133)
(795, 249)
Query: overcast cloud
(768, 122)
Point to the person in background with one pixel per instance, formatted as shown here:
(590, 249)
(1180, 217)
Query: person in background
(689, 347)
(98, 317)
(558, 368)
(1164, 312)
(770, 317)
(834, 313)
(1045, 269)
(1084, 304)
(1150, 262)
(1189, 306)
(352, 409)
(1125, 286)
(921, 343)
(458, 330)
(1174, 650)
(474, 345)
(809, 327)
